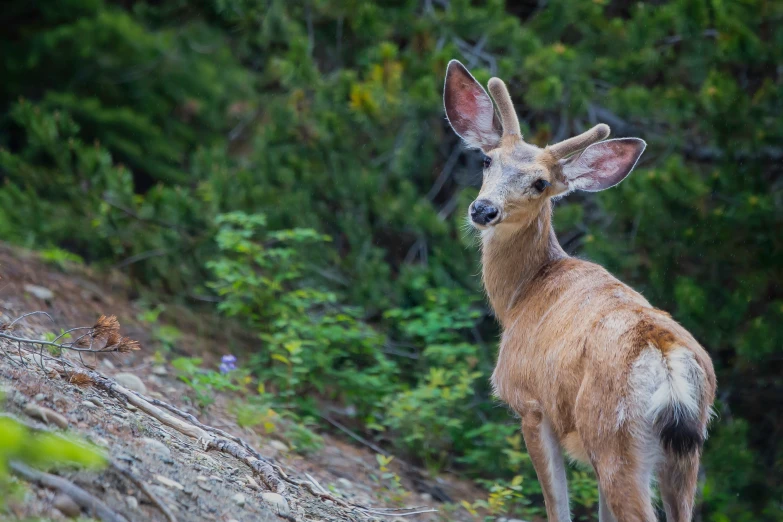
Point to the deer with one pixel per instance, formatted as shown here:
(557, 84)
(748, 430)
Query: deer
(589, 366)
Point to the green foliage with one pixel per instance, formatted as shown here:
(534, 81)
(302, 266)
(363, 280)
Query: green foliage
(42, 450)
(210, 148)
(206, 382)
(310, 343)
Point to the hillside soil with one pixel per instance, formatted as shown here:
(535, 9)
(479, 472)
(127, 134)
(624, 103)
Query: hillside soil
(193, 483)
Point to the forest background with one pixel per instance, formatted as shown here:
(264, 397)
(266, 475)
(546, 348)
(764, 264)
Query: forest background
(288, 164)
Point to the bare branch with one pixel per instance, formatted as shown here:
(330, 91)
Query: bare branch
(85, 500)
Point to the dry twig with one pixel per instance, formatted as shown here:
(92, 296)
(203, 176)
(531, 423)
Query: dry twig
(85, 500)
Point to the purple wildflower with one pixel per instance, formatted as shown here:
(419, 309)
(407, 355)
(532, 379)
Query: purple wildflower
(228, 363)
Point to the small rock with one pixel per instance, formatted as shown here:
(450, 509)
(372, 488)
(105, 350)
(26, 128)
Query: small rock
(279, 446)
(347, 484)
(132, 502)
(278, 504)
(40, 397)
(239, 498)
(98, 441)
(41, 293)
(130, 381)
(107, 364)
(96, 401)
(89, 404)
(155, 446)
(46, 415)
(328, 502)
(201, 478)
(168, 482)
(250, 482)
(131, 407)
(203, 485)
(160, 371)
(67, 506)
(426, 497)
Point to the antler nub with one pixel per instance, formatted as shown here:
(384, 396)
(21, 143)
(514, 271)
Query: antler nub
(508, 115)
(577, 143)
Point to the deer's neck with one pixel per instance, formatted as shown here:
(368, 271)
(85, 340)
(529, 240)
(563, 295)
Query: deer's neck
(511, 257)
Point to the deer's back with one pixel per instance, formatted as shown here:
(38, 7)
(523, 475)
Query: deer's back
(576, 323)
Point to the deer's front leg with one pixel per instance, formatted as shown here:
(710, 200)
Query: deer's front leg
(547, 458)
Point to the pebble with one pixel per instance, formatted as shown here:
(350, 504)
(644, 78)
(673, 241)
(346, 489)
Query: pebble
(131, 407)
(46, 415)
(132, 502)
(203, 485)
(89, 404)
(155, 446)
(130, 381)
(168, 482)
(40, 292)
(107, 364)
(96, 401)
(40, 397)
(276, 501)
(239, 498)
(98, 440)
(67, 506)
(251, 482)
(426, 497)
(345, 483)
(160, 370)
(279, 446)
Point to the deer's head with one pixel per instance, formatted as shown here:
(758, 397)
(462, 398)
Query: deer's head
(519, 178)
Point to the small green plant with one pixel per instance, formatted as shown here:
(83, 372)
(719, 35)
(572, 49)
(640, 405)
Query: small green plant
(206, 382)
(501, 496)
(393, 490)
(166, 335)
(61, 258)
(302, 437)
(263, 411)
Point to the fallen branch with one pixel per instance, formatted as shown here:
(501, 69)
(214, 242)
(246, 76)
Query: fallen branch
(206, 439)
(86, 501)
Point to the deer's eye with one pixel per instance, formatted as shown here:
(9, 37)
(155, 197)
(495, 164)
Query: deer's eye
(487, 162)
(540, 185)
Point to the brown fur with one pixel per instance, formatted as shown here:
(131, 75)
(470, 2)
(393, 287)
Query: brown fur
(576, 340)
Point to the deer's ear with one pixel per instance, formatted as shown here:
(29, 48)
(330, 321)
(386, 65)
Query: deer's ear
(602, 165)
(469, 109)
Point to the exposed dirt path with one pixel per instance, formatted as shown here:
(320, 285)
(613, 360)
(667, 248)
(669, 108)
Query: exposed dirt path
(192, 483)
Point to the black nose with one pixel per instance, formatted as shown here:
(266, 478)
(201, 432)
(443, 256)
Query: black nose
(482, 212)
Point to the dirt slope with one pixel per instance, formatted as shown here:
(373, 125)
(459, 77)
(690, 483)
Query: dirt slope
(194, 484)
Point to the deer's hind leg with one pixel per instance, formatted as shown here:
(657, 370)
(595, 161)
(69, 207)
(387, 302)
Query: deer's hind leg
(677, 480)
(624, 468)
(547, 457)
